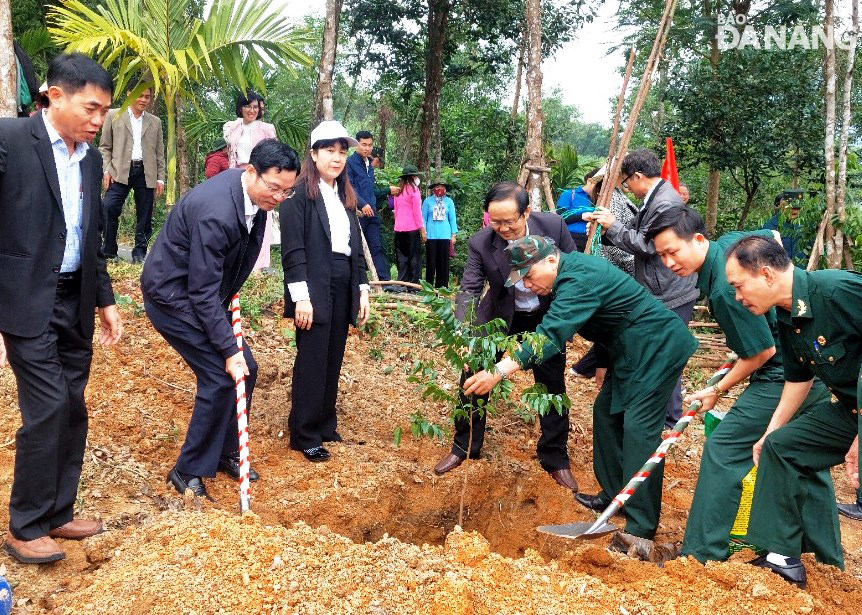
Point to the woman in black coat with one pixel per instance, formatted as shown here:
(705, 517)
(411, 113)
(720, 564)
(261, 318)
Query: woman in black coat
(326, 285)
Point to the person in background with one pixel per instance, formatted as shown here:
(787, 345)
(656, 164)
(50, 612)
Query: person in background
(53, 280)
(217, 160)
(326, 285)
(409, 228)
(360, 172)
(624, 211)
(787, 206)
(133, 153)
(572, 205)
(641, 172)
(438, 215)
(241, 135)
(41, 101)
(684, 193)
(202, 257)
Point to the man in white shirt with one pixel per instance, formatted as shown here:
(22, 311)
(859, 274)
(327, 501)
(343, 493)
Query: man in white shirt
(133, 152)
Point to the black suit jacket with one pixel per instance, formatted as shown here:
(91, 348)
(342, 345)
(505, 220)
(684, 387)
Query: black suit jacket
(33, 231)
(487, 261)
(306, 253)
(203, 255)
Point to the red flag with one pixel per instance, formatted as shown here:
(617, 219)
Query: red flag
(668, 169)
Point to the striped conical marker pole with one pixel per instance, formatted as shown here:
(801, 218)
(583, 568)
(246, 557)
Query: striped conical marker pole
(241, 414)
(657, 457)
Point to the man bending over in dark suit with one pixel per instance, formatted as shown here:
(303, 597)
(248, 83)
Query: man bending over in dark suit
(523, 310)
(201, 258)
(52, 280)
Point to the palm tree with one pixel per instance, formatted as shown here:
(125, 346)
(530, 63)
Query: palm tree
(159, 43)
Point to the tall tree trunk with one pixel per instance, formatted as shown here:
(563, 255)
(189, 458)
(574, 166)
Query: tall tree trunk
(171, 149)
(749, 199)
(384, 114)
(196, 162)
(182, 149)
(841, 188)
(535, 115)
(714, 174)
(8, 65)
(519, 75)
(829, 142)
(323, 97)
(438, 18)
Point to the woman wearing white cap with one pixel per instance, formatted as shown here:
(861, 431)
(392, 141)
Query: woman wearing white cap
(325, 284)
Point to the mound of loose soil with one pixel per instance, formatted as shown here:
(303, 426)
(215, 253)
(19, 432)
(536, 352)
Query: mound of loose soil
(348, 532)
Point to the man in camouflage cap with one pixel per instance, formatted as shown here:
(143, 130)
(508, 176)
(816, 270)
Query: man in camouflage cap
(645, 344)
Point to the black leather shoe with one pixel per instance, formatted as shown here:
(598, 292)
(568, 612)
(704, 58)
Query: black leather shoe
(853, 511)
(593, 502)
(792, 573)
(318, 453)
(181, 482)
(230, 466)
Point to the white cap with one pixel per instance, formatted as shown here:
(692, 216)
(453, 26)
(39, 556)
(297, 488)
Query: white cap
(331, 129)
(43, 88)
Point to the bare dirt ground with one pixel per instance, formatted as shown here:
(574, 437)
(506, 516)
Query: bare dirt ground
(373, 530)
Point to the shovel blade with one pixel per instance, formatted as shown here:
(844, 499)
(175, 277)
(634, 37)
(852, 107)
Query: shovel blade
(577, 531)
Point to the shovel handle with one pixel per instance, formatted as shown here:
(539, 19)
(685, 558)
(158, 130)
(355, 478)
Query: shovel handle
(658, 456)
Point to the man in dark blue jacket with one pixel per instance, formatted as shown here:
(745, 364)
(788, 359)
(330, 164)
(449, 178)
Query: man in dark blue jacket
(360, 172)
(202, 256)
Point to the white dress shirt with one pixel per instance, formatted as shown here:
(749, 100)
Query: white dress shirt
(525, 300)
(137, 129)
(649, 192)
(250, 208)
(244, 146)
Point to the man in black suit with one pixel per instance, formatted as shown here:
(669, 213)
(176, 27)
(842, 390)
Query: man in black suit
(52, 280)
(201, 258)
(523, 310)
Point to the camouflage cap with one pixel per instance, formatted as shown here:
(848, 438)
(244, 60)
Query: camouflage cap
(525, 252)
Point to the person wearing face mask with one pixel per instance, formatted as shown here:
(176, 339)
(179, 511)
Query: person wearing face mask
(326, 285)
(409, 227)
(241, 135)
(438, 215)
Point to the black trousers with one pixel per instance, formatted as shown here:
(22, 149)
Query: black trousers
(587, 363)
(371, 230)
(674, 404)
(437, 262)
(114, 200)
(212, 431)
(51, 372)
(580, 240)
(408, 253)
(319, 354)
(551, 447)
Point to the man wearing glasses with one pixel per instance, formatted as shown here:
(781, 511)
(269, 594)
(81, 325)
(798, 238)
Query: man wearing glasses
(201, 258)
(523, 310)
(641, 171)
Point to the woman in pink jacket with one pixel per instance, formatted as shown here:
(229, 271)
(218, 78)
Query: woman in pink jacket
(409, 227)
(241, 135)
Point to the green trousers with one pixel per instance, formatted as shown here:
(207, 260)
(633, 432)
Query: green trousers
(727, 459)
(623, 439)
(783, 495)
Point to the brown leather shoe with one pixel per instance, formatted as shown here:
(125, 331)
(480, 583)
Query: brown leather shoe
(77, 529)
(564, 478)
(39, 551)
(449, 462)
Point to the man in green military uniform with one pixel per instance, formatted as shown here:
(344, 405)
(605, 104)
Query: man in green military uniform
(820, 330)
(646, 346)
(679, 237)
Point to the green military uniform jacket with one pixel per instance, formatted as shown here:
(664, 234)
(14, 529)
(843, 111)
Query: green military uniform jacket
(822, 335)
(745, 333)
(644, 340)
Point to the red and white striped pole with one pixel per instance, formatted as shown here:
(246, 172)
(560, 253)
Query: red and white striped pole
(658, 456)
(241, 414)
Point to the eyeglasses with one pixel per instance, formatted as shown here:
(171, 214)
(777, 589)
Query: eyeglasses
(506, 223)
(625, 182)
(275, 191)
(250, 108)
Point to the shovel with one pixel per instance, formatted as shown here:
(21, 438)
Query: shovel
(585, 530)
